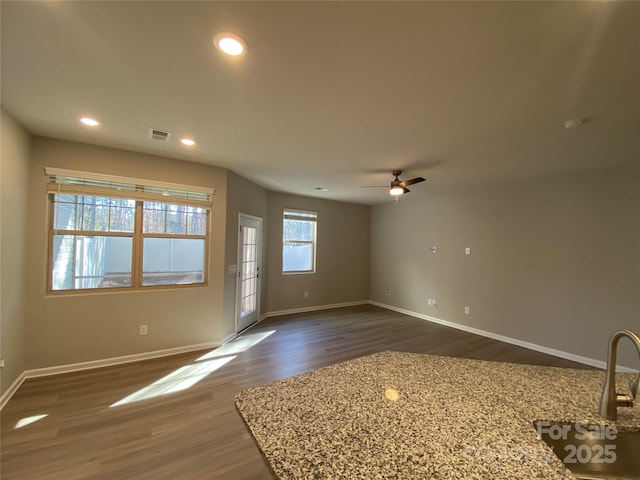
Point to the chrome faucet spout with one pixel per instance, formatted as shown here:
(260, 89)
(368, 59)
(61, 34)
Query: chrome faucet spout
(610, 400)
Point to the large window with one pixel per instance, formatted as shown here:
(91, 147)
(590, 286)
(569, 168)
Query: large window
(115, 234)
(299, 241)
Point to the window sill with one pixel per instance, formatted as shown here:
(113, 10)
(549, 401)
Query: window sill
(114, 291)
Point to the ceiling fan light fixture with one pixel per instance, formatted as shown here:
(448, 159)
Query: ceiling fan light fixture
(399, 187)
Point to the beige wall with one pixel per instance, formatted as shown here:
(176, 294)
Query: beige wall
(66, 329)
(245, 197)
(77, 328)
(14, 163)
(342, 261)
(554, 262)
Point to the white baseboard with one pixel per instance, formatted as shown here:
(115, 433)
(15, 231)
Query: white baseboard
(228, 338)
(513, 341)
(314, 308)
(41, 372)
(107, 362)
(13, 388)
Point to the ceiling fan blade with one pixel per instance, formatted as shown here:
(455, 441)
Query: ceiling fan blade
(374, 186)
(406, 183)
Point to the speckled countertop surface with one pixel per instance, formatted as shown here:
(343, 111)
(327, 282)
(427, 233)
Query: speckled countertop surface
(394, 415)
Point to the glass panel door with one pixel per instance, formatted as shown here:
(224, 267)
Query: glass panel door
(248, 270)
(249, 253)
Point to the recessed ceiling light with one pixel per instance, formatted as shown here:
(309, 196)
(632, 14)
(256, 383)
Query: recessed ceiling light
(230, 44)
(188, 142)
(90, 122)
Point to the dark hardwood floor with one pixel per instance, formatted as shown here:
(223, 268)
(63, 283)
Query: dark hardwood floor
(196, 433)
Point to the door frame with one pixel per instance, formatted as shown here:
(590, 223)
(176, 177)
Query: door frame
(239, 269)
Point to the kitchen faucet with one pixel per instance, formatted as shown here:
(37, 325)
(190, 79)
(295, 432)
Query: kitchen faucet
(610, 400)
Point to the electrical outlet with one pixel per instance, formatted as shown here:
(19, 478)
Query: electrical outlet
(1, 362)
(306, 294)
(434, 303)
(144, 329)
(467, 251)
(386, 292)
(429, 301)
(467, 310)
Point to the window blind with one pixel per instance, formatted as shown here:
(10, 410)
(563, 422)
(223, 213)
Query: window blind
(300, 215)
(85, 183)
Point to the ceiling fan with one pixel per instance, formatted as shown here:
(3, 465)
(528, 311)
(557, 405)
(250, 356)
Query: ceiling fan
(399, 187)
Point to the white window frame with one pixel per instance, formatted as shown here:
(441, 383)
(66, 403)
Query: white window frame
(72, 182)
(303, 215)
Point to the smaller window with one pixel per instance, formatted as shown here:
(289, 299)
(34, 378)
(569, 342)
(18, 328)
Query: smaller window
(299, 241)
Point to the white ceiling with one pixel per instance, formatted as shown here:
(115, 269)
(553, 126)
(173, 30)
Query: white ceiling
(337, 94)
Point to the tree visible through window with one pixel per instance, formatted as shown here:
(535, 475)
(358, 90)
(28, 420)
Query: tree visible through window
(90, 235)
(299, 241)
(127, 240)
(173, 244)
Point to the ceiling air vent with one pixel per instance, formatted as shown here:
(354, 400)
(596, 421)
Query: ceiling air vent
(159, 135)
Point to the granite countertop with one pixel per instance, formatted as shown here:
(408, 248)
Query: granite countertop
(395, 415)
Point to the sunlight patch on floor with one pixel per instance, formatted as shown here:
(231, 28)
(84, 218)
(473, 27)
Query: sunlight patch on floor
(176, 381)
(23, 422)
(239, 345)
(187, 376)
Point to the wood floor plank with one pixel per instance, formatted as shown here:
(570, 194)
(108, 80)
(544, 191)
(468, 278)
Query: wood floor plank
(196, 433)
